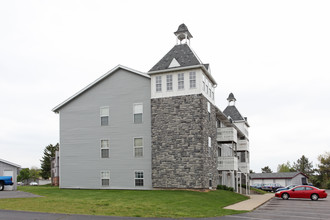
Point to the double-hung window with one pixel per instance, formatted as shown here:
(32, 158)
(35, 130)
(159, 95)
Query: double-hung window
(192, 80)
(158, 83)
(138, 178)
(138, 112)
(169, 83)
(105, 178)
(105, 149)
(181, 81)
(104, 114)
(138, 147)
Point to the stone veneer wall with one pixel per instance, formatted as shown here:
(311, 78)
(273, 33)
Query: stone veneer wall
(180, 128)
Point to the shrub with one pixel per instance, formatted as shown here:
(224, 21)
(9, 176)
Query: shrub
(328, 184)
(224, 187)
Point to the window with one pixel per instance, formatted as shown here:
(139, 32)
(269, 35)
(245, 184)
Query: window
(203, 82)
(105, 178)
(209, 110)
(207, 89)
(138, 178)
(105, 149)
(309, 188)
(192, 80)
(209, 142)
(169, 85)
(219, 151)
(299, 189)
(138, 147)
(158, 83)
(212, 95)
(210, 92)
(104, 114)
(137, 111)
(181, 81)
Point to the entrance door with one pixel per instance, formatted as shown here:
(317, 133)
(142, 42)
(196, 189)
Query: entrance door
(9, 173)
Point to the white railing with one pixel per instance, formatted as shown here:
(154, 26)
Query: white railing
(227, 134)
(243, 145)
(227, 163)
(244, 167)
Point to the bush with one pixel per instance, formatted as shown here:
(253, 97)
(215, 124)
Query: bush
(224, 187)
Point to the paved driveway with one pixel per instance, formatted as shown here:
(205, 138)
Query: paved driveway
(291, 209)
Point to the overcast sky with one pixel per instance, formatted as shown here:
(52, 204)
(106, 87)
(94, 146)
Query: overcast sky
(273, 55)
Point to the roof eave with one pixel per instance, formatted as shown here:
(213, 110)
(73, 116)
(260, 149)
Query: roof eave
(186, 68)
(10, 163)
(58, 107)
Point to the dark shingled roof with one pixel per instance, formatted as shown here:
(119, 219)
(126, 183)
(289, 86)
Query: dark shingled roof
(232, 111)
(182, 53)
(284, 175)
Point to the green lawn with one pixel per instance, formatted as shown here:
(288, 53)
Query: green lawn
(154, 203)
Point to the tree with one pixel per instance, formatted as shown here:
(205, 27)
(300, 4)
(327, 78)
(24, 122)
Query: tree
(266, 169)
(324, 168)
(24, 175)
(285, 167)
(49, 153)
(34, 173)
(303, 165)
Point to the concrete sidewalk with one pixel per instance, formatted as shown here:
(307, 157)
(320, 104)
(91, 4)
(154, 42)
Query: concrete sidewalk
(254, 202)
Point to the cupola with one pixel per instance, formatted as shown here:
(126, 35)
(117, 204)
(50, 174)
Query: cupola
(231, 99)
(183, 34)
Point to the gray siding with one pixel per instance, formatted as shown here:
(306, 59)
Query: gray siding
(81, 133)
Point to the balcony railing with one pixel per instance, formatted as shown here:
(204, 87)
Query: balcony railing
(227, 163)
(243, 145)
(244, 167)
(228, 134)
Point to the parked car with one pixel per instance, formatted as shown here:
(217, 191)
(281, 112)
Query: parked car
(5, 180)
(257, 185)
(287, 187)
(307, 192)
(33, 184)
(272, 187)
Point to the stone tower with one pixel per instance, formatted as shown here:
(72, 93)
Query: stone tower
(183, 118)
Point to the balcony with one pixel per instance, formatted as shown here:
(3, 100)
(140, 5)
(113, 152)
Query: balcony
(227, 163)
(228, 134)
(244, 167)
(243, 145)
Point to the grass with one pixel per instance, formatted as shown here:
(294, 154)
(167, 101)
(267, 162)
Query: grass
(135, 203)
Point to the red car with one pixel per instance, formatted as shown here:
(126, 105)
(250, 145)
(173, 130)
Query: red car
(307, 192)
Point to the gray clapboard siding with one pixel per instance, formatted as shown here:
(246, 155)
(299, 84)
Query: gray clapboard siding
(81, 134)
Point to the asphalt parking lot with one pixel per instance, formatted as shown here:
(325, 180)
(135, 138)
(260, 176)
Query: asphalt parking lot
(291, 209)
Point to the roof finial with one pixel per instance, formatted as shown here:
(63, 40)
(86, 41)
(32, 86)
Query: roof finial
(231, 99)
(183, 33)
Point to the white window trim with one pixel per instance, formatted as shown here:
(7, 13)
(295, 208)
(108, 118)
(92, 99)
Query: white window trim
(156, 83)
(108, 147)
(138, 147)
(180, 81)
(190, 80)
(134, 104)
(139, 178)
(169, 90)
(101, 178)
(104, 115)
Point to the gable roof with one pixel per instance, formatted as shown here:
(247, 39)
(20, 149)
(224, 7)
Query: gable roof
(58, 107)
(10, 163)
(233, 112)
(283, 175)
